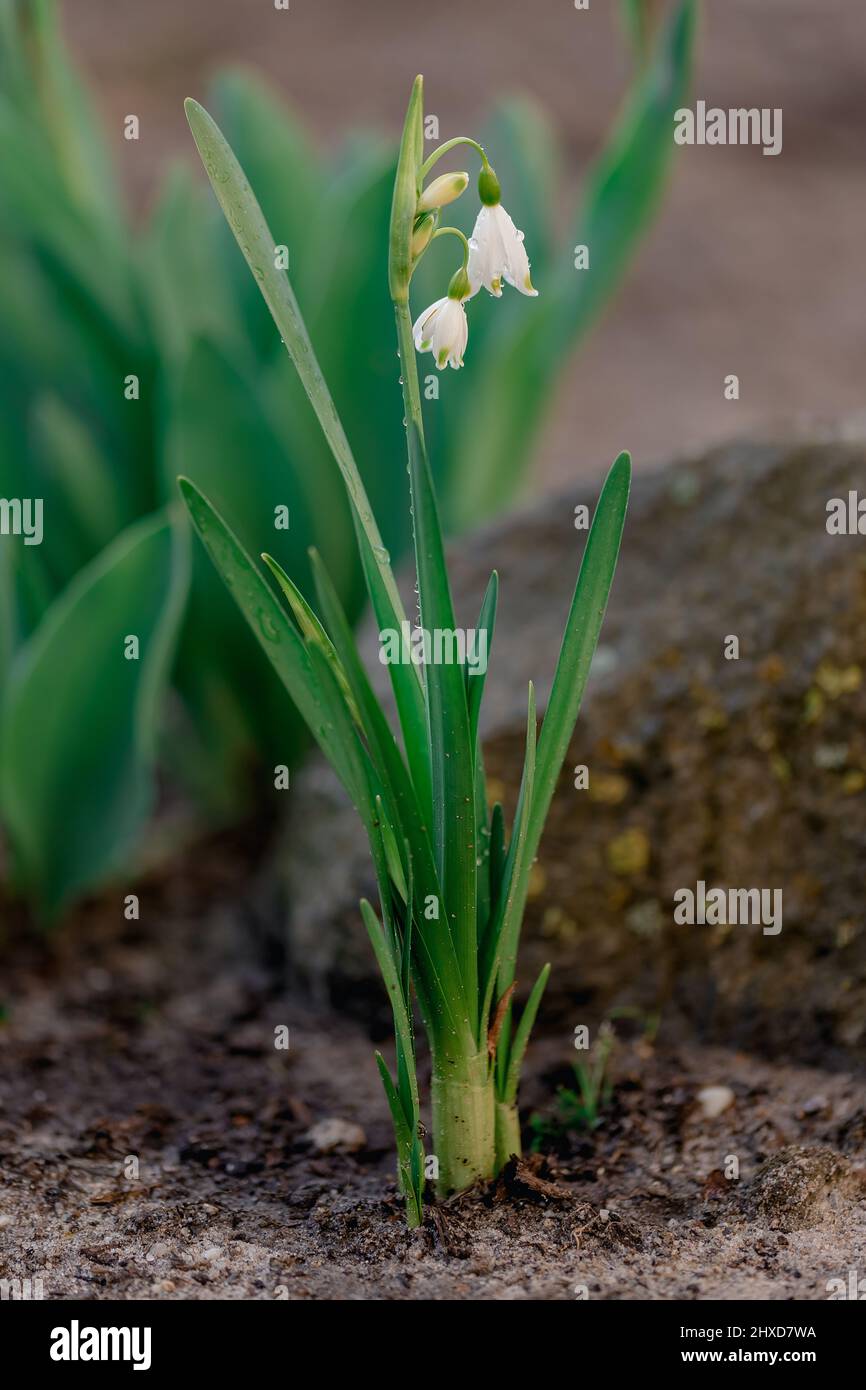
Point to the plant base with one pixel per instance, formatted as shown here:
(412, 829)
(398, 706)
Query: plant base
(507, 1130)
(463, 1123)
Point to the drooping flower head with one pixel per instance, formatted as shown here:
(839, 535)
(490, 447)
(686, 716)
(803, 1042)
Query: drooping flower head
(443, 328)
(494, 253)
(496, 249)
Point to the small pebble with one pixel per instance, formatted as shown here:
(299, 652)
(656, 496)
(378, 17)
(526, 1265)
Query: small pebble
(334, 1135)
(715, 1100)
(815, 1105)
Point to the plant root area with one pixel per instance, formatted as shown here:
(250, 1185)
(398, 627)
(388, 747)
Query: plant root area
(156, 1143)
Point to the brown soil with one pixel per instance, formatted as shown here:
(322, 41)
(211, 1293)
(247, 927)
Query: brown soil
(155, 1040)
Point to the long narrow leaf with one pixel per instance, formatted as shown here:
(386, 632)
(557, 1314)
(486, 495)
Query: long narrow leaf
(451, 751)
(251, 232)
(79, 673)
(502, 942)
(259, 605)
(521, 1038)
(411, 1182)
(486, 624)
(390, 971)
(435, 937)
(580, 638)
(311, 628)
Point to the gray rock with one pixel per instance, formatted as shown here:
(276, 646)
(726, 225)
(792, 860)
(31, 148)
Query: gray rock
(334, 1135)
(747, 773)
(800, 1187)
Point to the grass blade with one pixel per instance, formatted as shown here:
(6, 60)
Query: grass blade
(521, 1038)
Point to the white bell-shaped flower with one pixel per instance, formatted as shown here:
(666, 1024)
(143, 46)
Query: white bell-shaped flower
(497, 253)
(443, 328)
(496, 250)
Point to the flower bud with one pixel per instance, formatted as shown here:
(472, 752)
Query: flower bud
(441, 191)
(421, 233)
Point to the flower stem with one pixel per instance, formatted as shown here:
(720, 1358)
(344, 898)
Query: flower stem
(408, 367)
(454, 231)
(450, 145)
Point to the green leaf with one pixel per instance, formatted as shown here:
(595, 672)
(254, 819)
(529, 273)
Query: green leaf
(220, 434)
(306, 675)
(39, 77)
(85, 500)
(497, 851)
(580, 639)
(411, 1180)
(543, 765)
(184, 282)
(79, 721)
(311, 629)
(626, 183)
(274, 150)
(270, 624)
(361, 367)
(435, 942)
(502, 942)
(380, 739)
(640, 19)
(247, 222)
(400, 1004)
(474, 695)
(451, 751)
(486, 623)
(407, 186)
(521, 1038)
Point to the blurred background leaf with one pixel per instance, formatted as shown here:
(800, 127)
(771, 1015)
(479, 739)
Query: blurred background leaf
(90, 301)
(492, 423)
(81, 721)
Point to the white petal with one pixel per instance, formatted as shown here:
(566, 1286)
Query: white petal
(485, 254)
(425, 325)
(450, 335)
(443, 329)
(496, 252)
(515, 261)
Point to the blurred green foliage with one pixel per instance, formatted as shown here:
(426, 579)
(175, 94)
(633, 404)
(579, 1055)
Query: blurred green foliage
(131, 353)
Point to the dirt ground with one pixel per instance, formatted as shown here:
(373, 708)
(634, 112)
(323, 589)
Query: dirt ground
(155, 1144)
(753, 267)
